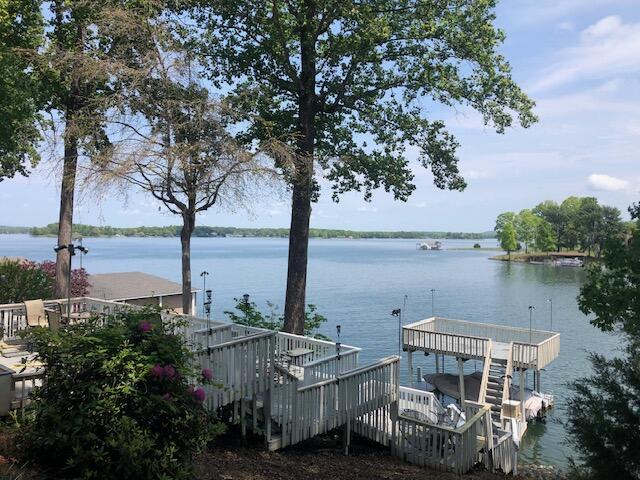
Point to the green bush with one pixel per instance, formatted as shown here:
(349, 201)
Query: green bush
(251, 316)
(118, 401)
(20, 282)
(477, 245)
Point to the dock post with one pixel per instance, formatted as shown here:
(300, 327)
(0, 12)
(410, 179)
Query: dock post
(539, 387)
(522, 413)
(410, 366)
(461, 381)
(437, 363)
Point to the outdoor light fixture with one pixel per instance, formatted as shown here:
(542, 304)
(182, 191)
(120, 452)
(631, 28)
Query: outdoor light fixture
(398, 313)
(72, 251)
(550, 302)
(433, 291)
(338, 344)
(531, 310)
(245, 297)
(204, 274)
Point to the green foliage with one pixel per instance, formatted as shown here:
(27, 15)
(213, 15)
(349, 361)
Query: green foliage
(525, 224)
(18, 282)
(116, 402)
(477, 245)
(604, 408)
(508, 238)
(612, 289)
(544, 240)
(502, 220)
(26, 280)
(204, 231)
(346, 82)
(250, 315)
(21, 34)
(604, 416)
(577, 221)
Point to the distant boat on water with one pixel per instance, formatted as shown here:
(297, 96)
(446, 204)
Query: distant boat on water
(429, 245)
(569, 262)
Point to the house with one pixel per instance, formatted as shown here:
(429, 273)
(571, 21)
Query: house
(139, 288)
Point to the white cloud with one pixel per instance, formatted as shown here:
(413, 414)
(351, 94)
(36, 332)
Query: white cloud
(477, 174)
(367, 208)
(607, 183)
(566, 26)
(607, 48)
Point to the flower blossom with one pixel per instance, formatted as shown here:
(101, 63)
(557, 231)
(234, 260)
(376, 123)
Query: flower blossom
(207, 373)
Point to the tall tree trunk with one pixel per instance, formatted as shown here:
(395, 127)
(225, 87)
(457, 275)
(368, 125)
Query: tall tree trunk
(70, 166)
(65, 220)
(188, 225)
(302, 184)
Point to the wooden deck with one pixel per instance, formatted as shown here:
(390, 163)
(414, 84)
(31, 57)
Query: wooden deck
(532, 349)
(289, 388)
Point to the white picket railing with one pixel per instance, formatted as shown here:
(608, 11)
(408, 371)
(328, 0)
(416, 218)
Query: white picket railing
(446, 343)
(241, 368)
(306, 411)
(533, 349)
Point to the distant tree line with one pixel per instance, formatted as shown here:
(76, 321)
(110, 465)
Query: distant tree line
(204, 231)
(576, 223)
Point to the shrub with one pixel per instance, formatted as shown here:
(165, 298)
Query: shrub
(251, 316)
(477, 245)
(22, 280)
(117, 401)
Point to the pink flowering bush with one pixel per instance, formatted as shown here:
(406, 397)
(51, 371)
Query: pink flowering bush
(119, 401)
(27, 280)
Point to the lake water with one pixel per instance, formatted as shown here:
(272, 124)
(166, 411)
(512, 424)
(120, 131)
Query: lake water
(356, 284)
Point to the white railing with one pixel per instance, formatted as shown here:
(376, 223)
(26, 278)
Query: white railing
(506, 386)
(482, 393)
(241, 368)
(439, 447)
(548, 351)
(329, 367)
(504, 455)
(306, 411)
(446, 343)
(420, 402)
(531, 348)
(13, 317)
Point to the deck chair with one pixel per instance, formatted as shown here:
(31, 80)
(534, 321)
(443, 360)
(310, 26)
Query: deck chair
(36, 315)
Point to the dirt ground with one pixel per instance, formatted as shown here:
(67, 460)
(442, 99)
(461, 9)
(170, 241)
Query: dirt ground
(322, 459)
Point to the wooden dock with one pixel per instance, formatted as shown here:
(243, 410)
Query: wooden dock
(290, 388)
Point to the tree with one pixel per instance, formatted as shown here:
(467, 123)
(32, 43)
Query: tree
(174, 142)
(251, 316)
(588, 222)
(508, 238)
(525, 224)
(545, 239)
(21, 34)
(611, 226)
(604, 409)
(551, 212)
(570, 208)
(27, 280)
(348, 83)
(502, 220)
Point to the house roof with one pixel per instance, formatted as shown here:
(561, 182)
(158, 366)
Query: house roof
(131, 285)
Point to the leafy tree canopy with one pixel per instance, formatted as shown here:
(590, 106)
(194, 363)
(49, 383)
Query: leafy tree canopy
(370, 72)
(21, 34)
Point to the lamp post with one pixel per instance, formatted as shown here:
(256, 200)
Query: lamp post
(433, 291)
(398, 313)
(245, 299)
(531, 310)
(204, 274)
(550, 302)
(338, 346)
(72, 251)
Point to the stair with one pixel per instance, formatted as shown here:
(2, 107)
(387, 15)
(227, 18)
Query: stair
(495, 387)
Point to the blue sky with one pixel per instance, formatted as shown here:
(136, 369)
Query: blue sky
(580, 61)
